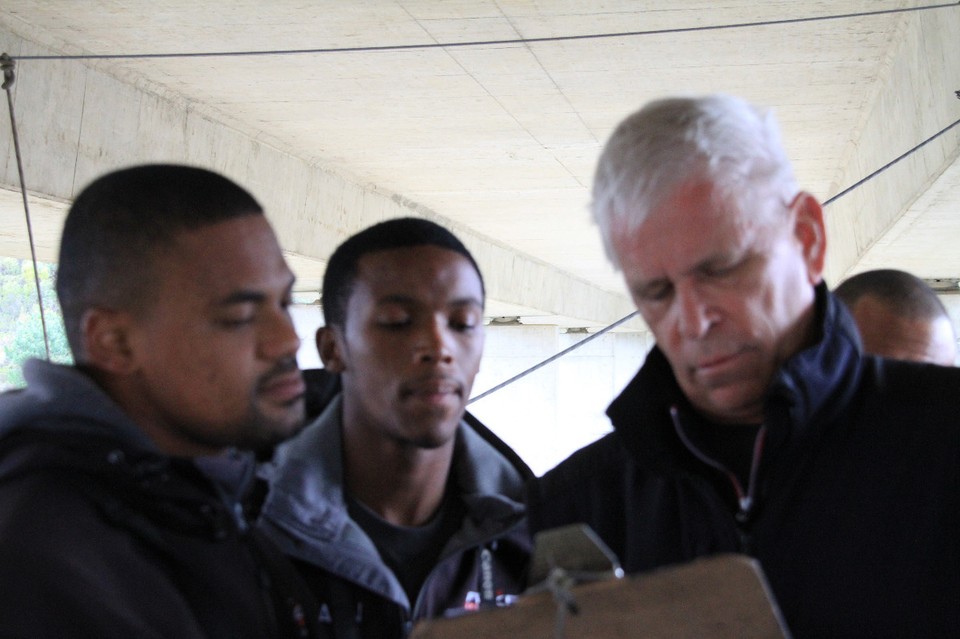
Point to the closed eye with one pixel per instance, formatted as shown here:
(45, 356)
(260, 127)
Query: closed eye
(465, 317)
(396, 326)
(720, 271)
(235, 323)
(655, 292)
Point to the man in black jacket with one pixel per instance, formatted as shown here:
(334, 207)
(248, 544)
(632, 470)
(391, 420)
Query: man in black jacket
(899, 316)
(121, 478)
(757, 424)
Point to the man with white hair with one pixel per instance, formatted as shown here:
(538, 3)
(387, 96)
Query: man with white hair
(756, 424)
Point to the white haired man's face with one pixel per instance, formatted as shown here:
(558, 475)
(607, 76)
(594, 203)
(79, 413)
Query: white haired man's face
(727, 293)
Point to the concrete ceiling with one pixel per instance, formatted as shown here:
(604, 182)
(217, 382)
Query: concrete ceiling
(487, 115)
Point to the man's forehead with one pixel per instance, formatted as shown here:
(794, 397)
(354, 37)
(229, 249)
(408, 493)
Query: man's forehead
(240, 253)
(659, 248)
(422, 264)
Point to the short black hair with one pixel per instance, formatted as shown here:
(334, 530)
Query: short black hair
(904, 294)
(404, 232)
(117, 223)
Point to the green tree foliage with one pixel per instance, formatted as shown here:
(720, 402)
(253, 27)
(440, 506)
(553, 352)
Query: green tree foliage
(21, 330)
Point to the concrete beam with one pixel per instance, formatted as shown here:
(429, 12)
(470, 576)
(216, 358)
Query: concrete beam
(76, 120)
(915, 101)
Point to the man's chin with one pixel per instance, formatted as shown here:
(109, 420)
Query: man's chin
(728, 404)
(437, 436)
(735, 410)
(274, 429)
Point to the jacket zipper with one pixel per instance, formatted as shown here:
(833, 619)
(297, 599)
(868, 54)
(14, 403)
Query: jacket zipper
(477, 547)
(745, 499)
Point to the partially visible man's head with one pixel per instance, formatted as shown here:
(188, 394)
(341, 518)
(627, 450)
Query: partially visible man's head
(175, 296)
(698, 208)
(403, 302)
(899, 316)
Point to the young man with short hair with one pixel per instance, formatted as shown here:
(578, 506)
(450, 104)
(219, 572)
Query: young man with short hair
(393, 508)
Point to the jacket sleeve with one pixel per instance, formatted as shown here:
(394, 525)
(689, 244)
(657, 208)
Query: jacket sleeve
(578, 489)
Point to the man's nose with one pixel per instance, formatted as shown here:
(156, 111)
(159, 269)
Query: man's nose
(695, 315)
(433, 341)
(279, 336)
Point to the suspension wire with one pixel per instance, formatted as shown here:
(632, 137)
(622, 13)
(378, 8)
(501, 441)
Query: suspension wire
(890, 163)
(485, 43)
(555, 356)
(7, 64)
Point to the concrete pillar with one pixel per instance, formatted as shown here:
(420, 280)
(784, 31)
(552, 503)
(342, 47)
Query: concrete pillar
(915, 101)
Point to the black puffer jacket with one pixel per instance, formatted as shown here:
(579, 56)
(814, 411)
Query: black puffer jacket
(102, 536)
(855, 512)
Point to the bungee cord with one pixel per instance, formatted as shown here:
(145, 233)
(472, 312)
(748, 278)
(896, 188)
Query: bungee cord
(555, 356)
(487, 43)
(7, 64)
(889, 164)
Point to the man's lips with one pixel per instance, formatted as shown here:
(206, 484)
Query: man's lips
(284, 387)
(433, 388)
(715, 362)
(715, 365)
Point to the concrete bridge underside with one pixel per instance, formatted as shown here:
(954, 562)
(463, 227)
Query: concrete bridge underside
(79, 118)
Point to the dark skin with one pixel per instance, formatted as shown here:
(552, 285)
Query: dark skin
(407, 353)
(212, 364)
(887, 333)
(402, 489)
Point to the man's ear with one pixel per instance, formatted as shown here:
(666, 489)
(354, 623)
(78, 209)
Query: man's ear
(105, 336)
(811, 232)
(328, 346)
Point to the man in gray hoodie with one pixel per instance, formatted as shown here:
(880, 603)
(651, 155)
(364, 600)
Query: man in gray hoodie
(394, 509)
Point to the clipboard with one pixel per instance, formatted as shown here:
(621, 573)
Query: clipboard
(720, 597)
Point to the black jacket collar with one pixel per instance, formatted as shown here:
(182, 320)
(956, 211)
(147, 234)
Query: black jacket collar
(805, 395)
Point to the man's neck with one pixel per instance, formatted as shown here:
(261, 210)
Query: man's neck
(403, 484)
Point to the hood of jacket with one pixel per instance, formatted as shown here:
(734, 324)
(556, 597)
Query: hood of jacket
(306, 515)
(62, 421)
(62, 399)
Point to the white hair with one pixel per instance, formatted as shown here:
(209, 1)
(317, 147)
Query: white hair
(719, 138)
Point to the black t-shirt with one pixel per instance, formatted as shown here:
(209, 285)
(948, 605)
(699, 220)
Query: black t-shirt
(411, 552)
(729, 444)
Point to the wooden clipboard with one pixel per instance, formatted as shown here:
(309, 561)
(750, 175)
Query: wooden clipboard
(720, 597)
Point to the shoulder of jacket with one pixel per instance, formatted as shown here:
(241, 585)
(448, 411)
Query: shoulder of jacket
(598, 460)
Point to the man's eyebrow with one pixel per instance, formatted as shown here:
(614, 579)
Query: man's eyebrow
(649, 287)
(247, 296)
(467, 301)
(242, 297)
(395, 298)
(712, 261)
(646, 285)
(399, 298)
